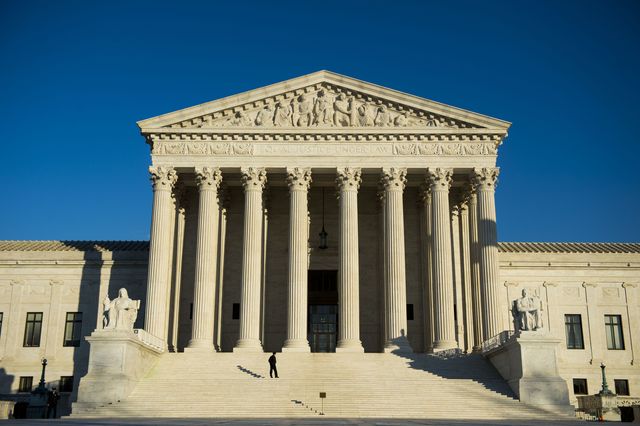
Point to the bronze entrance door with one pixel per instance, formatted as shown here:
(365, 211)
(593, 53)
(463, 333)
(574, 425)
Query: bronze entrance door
(323, 310)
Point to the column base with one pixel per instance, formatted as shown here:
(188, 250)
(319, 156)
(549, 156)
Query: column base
(350, 346)
(248, 345)
(444, 345)
(296, 346)
(200, 346)
(398, 345)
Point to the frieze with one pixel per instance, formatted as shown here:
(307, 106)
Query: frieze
(302, 148)
(322, 105)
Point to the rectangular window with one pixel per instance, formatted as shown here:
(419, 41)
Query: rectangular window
(26, 382)
(72, 329)
(191, 311)
(32, 329)
(622, 387)
(573, 328)
(66, 384)
(613, 330)
(235, 314)
(580, 387)
(409, 311)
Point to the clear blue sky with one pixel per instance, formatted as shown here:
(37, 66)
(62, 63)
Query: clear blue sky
(75, 76)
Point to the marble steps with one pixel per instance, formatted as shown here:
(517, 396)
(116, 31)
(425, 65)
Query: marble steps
(357, 385)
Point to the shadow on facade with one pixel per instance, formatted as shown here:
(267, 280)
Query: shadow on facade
(107, 268)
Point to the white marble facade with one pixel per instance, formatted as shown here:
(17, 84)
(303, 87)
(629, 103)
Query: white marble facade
(404, 188)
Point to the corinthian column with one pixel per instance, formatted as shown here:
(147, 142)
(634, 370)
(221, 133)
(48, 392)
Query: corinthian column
(439, 180)
(485, 180)
(204, 299)
(298, 180)
(253, 181)
(476, 293)
(163, 179)
(395, 282)
(348, 181)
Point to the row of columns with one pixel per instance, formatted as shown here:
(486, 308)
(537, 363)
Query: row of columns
(482, 291)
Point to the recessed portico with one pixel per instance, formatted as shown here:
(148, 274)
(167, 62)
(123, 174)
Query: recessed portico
(245, 178)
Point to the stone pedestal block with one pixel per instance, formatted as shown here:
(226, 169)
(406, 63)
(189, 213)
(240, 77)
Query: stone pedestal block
(528, 361)
(118, 360)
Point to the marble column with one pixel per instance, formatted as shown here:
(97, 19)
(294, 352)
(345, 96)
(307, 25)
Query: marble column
(204, 298)
(424, 201)
(456, 252)
(467, 297)
(485, 180)
(298, 180)
(163, 179)
(395, 283)
(348, 181)
(253, 181)
(439, 179)
(476, 293)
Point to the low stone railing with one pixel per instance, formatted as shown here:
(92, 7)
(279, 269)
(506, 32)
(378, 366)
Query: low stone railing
(149, 339)
(497, 340)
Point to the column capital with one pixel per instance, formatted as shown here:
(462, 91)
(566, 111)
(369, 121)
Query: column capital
(208, 178)
(163, 177)
(394, 178)
(348, 178)
(253, 178)
(424, 194)
(439, 178)
(485, 177)
(299, 178)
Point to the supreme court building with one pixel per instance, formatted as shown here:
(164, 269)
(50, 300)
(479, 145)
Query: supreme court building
(322, 214)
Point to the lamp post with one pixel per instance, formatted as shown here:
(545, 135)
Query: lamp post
(42, 385)
(605, 388)
(323, 234)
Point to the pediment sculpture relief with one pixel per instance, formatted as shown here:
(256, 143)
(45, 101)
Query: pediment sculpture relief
(322, 106)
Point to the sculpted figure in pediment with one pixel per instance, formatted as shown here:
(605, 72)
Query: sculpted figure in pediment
(282, 116)
(322, 109)
(382, 117)
(342, 110)
(303, 109)
(365, 115)
(401, 120)
(265, 116)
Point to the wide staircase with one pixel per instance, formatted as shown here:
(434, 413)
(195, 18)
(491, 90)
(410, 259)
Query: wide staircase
(192, 385)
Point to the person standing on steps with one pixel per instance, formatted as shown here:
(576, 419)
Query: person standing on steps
(272, 366)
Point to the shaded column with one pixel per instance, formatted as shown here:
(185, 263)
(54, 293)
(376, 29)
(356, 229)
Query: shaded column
(253, 181)
(395, 285)
(204, 299)
(467, 297)
(155, 319)
(476, 293)
(348, 181)
(439, 179)
(485, 180)
(298, 180)
(424, 205)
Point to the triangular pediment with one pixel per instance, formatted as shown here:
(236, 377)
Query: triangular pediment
(322, 100)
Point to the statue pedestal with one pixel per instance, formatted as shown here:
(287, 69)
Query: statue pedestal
(528, 361)
(118, 360)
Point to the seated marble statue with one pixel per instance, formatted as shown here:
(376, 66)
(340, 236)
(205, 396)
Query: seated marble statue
(121, 312)
(528, 311)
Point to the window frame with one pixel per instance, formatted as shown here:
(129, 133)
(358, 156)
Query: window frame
(30, 333)
(572, 325)
(76, 327)
(1, 321)
(578, 381)
(65, 381)
(610, 328)
(617, 388)
(22, 382)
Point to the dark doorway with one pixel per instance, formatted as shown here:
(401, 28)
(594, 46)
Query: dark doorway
(323, 310)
